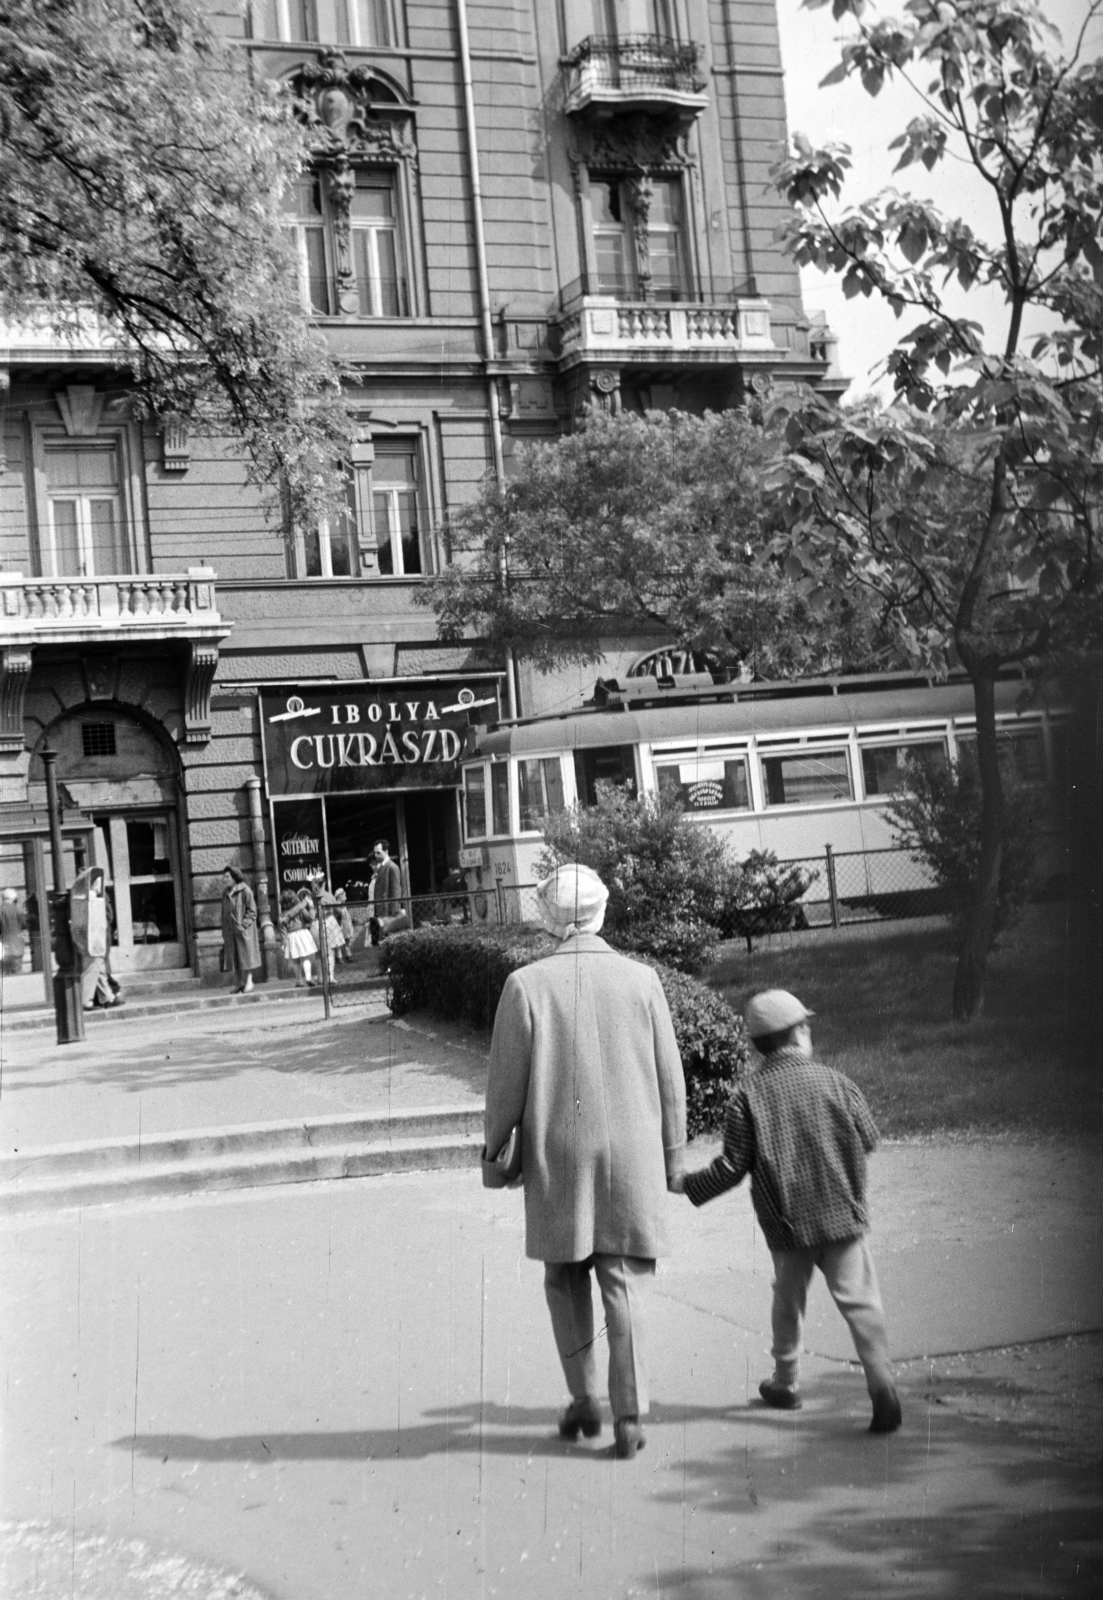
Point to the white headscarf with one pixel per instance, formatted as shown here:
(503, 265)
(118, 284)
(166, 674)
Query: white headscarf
(572, 900)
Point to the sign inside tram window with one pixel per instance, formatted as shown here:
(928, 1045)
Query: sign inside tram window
(342, 738)
(706, 785)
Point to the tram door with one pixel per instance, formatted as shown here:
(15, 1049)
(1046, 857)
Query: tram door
(139, 855)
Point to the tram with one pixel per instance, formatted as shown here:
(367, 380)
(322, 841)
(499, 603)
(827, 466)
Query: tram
(790, 767)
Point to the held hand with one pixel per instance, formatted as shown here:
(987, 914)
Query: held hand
(676, 1183)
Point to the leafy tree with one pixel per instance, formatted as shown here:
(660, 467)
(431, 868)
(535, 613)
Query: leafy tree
(763, 896)
(666, 876)
(140, 205)
(964, 519)
(937, 816)
(641, 523)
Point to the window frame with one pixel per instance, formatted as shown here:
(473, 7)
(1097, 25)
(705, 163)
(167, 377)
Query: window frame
(841, 746)
(397, 179)
(412, 447)
(318, 27)
(115, 437)
(558, 760)
(724, 754)
(894, 741)
(630, 288)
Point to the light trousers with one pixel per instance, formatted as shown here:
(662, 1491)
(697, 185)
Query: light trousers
(850, 1275)
(625, 1283)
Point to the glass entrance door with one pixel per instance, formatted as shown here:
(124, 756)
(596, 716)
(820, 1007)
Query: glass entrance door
(138, 853)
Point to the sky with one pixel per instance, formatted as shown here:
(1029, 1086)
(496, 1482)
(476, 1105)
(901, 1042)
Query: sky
(809, 49)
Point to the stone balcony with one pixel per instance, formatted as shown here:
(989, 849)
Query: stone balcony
(603, 328)
(634, 73)
(112, 611)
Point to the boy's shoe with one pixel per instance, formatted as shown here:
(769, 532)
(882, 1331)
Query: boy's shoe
(780, 1395)
(581, 1416)
(629, 1437)
(887, 1415)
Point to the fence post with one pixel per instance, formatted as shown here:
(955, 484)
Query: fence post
(832, 889)
(501, 908)
(323, 944)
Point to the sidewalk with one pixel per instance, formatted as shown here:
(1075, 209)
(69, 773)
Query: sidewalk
(349, 1388)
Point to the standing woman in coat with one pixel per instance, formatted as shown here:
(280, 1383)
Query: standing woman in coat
(584, 1058)
(239, 929)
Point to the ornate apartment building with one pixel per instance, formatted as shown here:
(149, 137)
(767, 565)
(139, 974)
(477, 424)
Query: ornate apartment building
(519, 208)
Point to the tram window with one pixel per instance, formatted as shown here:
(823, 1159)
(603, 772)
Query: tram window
(716, 785)
(474, 802)
(1024, 751)
(499, 796)
(540, 782)
(609, 763)
(884, 766)
(807, 780)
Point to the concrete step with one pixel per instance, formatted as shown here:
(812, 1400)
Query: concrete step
(200, 998)
(214, 1159)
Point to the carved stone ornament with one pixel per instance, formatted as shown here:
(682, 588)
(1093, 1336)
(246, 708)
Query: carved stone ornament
(15, 673)
(637, 141)
(335, 102)
(198, 679)
(81, 408)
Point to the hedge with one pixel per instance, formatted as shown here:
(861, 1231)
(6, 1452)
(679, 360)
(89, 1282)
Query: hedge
(459, 974)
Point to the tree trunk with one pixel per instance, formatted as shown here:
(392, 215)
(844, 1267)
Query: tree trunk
(972, 964)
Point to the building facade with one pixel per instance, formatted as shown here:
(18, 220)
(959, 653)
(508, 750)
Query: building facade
(519, 209)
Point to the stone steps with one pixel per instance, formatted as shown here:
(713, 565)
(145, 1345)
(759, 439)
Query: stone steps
(215, 1159)
(184, 999)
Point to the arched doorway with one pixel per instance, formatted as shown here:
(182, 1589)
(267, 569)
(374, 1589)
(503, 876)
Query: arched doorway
(123, 773)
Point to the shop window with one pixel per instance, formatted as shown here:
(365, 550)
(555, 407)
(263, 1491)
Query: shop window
(375, 276)
(712, 783)
(85, 532)
(885, 766)
(636, 243)
(807, 780)
(396, 509)
(540, 784)
(360, 23)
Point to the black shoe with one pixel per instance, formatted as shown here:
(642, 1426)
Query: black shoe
(887, 1415)
(780, 1395)
(581, 1416)
(629, 1438)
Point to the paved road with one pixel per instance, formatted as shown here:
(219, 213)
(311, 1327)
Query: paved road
(349, 1390)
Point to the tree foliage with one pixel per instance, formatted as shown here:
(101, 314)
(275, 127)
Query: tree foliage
(937, 816)
(965, 518)
(642, 523)
(140, 207)
(666, 876)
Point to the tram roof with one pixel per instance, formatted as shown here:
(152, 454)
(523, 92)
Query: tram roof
(747, 712)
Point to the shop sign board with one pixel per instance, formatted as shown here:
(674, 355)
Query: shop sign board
(383, 734)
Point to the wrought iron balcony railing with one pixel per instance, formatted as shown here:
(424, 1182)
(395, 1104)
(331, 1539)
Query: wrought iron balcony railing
(642, 69)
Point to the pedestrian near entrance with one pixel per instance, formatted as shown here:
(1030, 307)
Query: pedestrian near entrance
(385, 894)
(803, 1132)
(12, 925)
(297, 923)
(240, 943)
(584, 1059)
(327, 910)
(344, 922)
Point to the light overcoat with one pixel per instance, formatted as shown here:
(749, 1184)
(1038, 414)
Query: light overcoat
(239, 929)
(585, 1059)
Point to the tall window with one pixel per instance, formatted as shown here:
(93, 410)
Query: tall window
(395, 509)
(303, 203)
(331, 549)
(375, 247)
(85, 533)
(355, 22)
(378, 282)
(622, 235)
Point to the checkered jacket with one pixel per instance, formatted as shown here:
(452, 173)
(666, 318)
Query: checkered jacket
(802, 1131)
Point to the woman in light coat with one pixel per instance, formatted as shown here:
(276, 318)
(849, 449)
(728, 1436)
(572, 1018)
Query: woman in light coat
(239, 929)
(584, 1058)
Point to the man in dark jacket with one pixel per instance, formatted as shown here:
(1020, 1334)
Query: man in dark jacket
(385, 893)
(803, 1132)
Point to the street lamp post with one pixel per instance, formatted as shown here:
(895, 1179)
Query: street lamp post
(67, 999)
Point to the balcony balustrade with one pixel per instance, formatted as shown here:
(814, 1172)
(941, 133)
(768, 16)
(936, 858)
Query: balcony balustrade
(635, 72)
(115, 607)
(603, 328)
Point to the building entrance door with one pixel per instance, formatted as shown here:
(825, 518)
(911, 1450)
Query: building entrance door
(138, 852)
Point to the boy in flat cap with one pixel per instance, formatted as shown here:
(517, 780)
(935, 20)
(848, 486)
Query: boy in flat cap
(803, 1132)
